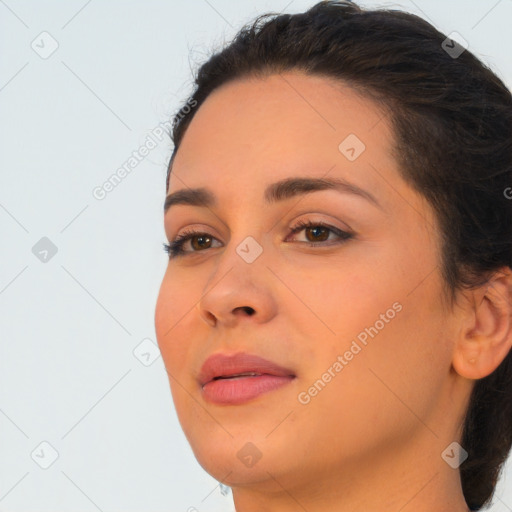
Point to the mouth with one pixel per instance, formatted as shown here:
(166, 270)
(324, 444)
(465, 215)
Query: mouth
(240, 375)
(239, 389)
(238, 378)
(229, 366)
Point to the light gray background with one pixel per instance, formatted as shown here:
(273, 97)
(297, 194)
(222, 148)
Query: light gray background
(70, 325)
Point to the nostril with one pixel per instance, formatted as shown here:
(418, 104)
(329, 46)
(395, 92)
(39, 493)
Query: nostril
(247, 309)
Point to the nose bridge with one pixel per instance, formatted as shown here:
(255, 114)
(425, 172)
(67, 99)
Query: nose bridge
(247, 238)
(243, 258)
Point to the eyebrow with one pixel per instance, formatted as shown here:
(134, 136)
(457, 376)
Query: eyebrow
(275, 192)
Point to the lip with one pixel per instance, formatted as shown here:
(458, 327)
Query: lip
(224, 365)
(240, 389)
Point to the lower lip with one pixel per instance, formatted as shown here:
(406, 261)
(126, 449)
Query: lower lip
(242, 389)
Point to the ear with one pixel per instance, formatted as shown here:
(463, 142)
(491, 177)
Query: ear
(485, 337)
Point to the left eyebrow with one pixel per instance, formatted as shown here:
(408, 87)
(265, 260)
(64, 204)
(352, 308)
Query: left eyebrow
(275, 192)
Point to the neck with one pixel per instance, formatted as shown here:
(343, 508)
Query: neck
(411, 477)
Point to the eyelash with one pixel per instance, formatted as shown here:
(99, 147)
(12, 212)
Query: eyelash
(175, 248)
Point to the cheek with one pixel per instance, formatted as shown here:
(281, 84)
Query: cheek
(171, 325)
(173, 314)
(383, 394)
(337, 306)
(414, 372)
(397, 351)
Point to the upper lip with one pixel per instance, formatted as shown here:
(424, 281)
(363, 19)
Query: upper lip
(223, 365)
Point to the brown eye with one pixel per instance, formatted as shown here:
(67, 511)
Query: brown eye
(316, 233)
(319, 233)
(202, 240)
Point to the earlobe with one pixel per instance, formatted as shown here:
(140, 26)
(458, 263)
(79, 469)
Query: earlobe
(486, 338)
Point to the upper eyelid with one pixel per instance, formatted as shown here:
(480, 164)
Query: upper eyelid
(288, 226)
(297, 227)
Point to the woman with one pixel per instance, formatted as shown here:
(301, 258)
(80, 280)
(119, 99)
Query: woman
(335, 318)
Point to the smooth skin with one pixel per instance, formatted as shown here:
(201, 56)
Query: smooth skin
(372, 439)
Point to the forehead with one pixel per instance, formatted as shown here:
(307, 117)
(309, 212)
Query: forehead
(252, 131)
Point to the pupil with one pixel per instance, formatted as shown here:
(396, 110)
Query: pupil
(316, 229)
(200, 238)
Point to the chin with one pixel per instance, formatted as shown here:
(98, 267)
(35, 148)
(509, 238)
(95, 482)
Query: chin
(237, 460)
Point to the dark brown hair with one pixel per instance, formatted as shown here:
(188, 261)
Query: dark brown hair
(452, 120)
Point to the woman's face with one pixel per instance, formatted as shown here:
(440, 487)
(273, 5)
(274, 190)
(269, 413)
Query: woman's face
(358, 320)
